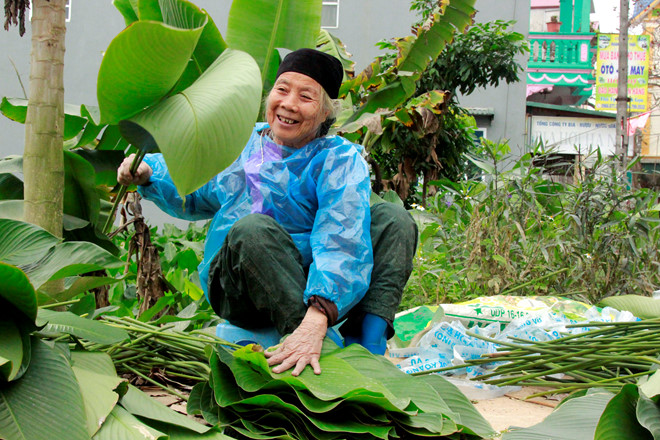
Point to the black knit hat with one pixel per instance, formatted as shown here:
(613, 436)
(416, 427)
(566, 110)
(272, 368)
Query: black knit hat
(321, 67)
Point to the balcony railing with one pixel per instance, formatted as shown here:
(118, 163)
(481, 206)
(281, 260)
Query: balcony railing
(561, 51)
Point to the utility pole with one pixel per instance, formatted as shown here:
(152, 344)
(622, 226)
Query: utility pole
(622, 89)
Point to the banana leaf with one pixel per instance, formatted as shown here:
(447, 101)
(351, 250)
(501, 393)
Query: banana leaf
(202, 130)
(46, 402)
(135, 73)
(259, 27)
(619, 419)
(74, 121)
(81, 199)
(105, 164)
(648, 415)
(141, 405)
(18, 291)
(98, 379)
(17, 315)
(43, 257)
(11, 350)
(641, 306)
(576, 418)
(128, 9)
(120, 424)
(339, 380)
(57, 323)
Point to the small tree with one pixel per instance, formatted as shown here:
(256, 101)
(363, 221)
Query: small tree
(43, 163)
(433, 146)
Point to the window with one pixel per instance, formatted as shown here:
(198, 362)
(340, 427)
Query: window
(480, 133)
(67, 11)
(330, 14)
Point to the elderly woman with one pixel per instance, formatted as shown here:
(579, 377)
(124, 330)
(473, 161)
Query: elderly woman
(294, 243)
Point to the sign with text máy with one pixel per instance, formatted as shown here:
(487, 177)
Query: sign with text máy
(575, 135)
(607, 67)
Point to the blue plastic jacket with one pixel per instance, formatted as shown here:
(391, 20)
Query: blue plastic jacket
(318, 193)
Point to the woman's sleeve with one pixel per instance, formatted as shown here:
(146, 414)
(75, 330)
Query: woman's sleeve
(201, 204)
(341, 241)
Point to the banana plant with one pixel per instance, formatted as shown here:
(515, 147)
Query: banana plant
(172, 84)
(385, 90)
(75, 394)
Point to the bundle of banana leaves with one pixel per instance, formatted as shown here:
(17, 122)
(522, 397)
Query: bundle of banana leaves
(358, 396)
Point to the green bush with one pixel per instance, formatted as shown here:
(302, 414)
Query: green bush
(520, 232)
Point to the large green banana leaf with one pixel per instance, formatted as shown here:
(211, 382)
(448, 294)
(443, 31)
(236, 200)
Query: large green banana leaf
(146, 60)
(641, 306)
(16, 110)
(46, 403)
(260, 27)
(574, 419)
(619, 419)
(202, 130)
(98, 379)
(141, 405)
(18, 309)
(120, 424)
(137, 73)
(169, 81)
(17, 290)
(43, 257)
(57, 323)
(128, 9)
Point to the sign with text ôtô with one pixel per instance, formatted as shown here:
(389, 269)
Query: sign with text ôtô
(607, 72)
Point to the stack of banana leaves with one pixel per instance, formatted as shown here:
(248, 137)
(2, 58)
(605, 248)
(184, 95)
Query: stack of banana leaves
(357, 396)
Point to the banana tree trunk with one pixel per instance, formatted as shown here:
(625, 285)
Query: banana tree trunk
(43, 160)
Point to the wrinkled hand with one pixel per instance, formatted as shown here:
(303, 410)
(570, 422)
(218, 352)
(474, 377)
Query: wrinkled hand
(140, 177)
(302, 347)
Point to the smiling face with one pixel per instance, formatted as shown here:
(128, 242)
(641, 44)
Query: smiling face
(294, 109)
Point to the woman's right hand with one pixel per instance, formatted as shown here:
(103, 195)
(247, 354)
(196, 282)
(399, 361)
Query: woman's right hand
(140, 177)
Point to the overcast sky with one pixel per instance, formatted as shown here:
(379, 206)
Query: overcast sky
(607, 13)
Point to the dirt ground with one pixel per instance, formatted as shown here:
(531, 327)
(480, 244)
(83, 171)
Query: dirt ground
(512, 410)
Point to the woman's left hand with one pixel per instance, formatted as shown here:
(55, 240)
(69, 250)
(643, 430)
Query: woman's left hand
(302, 347)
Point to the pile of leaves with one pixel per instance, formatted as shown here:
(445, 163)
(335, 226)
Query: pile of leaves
(358, 395)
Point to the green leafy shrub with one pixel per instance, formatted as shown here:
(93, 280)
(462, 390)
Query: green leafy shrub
(520, 232)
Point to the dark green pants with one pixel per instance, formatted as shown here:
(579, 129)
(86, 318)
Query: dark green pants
(257, 278)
